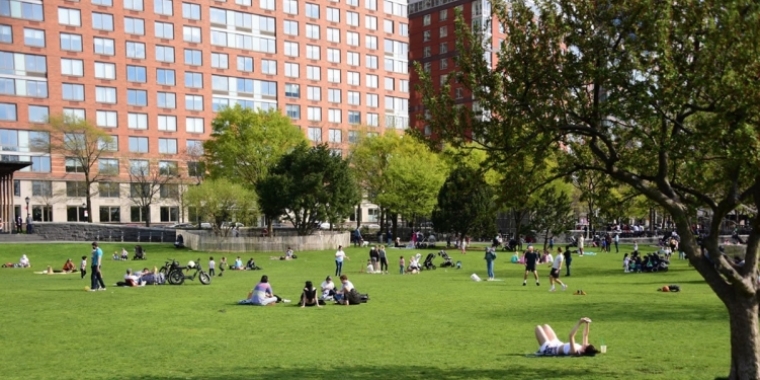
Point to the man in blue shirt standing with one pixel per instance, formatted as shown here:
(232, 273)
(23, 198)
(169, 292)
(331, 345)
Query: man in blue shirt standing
(96, 278)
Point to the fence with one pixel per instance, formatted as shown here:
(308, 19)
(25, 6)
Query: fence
(202, 241)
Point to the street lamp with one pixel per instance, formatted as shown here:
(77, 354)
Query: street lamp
(27, 205)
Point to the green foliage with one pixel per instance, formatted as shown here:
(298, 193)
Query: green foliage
(245, 143)
(465, 204)
(309, 185)
(197, 332)
(370, 159)
(220, 201)
(552, 213)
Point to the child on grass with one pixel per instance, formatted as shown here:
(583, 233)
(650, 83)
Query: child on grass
(211, 266)
(401, 265)
(83, 266)
(222, 264)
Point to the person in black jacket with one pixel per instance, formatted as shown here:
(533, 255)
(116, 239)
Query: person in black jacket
(568, 259)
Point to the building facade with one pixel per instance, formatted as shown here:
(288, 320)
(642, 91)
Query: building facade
(152, 74)
(432, 35)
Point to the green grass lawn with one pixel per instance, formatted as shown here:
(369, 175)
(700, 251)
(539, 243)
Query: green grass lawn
(435, 325)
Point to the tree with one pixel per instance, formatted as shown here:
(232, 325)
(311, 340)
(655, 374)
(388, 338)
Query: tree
(658, 96)
(146, 180)
(552, 213)
(309, 185)
(222, 201)
(413, 177)
(82, 145)
(465, 204)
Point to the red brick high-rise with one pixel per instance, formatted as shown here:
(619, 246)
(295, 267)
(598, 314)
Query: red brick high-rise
(152, 73)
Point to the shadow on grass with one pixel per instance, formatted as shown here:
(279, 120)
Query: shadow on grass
(396, 372)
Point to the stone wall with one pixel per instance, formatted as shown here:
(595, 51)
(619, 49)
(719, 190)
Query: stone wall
(202, 241)
(102, 232)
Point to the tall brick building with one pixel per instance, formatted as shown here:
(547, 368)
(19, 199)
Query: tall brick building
(433, 40)
(151, 73)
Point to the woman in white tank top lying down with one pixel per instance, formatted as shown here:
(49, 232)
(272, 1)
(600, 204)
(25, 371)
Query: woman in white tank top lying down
(550, 345)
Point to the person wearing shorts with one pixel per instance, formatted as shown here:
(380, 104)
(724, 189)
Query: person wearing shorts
(530, 258)
(554, 274)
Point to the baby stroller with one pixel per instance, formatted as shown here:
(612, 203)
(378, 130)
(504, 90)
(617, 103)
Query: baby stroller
(447, 262)
(428, 264)
(414, 263)
(140, 253)
(511, 245)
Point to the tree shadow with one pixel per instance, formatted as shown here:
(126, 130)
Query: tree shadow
(397, 372)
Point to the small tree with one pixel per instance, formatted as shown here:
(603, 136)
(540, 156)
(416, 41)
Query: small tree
(552, 213)
(309, 185)
(79, 141)
(145, 181)
(222, 201)
(465, 204)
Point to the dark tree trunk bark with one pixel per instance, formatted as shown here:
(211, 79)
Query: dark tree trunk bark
(745, 338)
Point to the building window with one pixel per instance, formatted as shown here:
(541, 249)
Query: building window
(353, 78)
(191, 11)
(333, 14)
(138, 144)
(312, 10)
(107, 119)
(191, 34)
(290, 7)
(313, 93)
(168, 168)
(371, 61)
(444, 64)
(42, 213)
(105, 94)
(102, 21)
(333, 75)
(373, 119)
(38, 114)
(312, 52)
(371, 81)
(372, 100)
(193, 80)
(314, 114)
(135, 50)
(370, 22)
(245, 64)
(109, 190)
(167, 123)
(139, 167)
(335, 135)
(166, 100)
(352, 58)
(110, 214)
(291, 49)
(293, 111)
(167, 146)
(334, 115)
(71, 91)
(291, 70)
(194, 124)
(108, 166)
(134, 26)
(71, 17)
(164, 30)
(137, 98)
(71, 42)
(105, 70)
(169, 214)
(292, 90)
(193, 57)
(76, 189)
(34, 37)
(168, 190)
(135, 5)
(6, 34)
(354, 117)
(269, 67)
(7, 111)
(425, 53)
(352, 18)
(333, 35)
(313, 72)
(425, 36)
(315, 134)
(138, 214)
(165, 77)
(266, 4)
(40, 164)
(219, 61)
(137, 74)
(370, 4)
(194, 102)
(163, 7)
(371, 42)
(353, 137)
(72, 67)
(354, 98)
(41, 189)
(194, 147)
(333, 95)
(105, 46)
(164, 53)
(426, 20)
(76, 214)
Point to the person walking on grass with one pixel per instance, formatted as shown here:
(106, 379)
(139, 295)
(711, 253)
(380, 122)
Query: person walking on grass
(581, 239)
(96, 277)
(490, 258)
(568, 259)
(554, 274)
(339, 257)
(617, 241)
(530, 258)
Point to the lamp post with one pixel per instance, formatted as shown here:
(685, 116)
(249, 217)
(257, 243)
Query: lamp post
(27, 205)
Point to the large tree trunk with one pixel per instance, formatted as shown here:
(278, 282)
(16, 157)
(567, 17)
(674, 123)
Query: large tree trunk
(745, 338)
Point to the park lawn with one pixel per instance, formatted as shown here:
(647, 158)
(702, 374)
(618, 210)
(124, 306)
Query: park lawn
(435, 325)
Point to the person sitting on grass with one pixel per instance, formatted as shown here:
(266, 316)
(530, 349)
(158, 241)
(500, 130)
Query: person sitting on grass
(262, 294)
(238, 264)
(24, 262)
(309, 295)
(348, 294)
(328, 289)
(550, 345)
(69, 267)
(124, 254)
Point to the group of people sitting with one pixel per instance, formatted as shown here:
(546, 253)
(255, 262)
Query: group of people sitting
(249, 265)
(142, 278)
(653, 262)
(140, 254)
(22, 263)
(263, 295)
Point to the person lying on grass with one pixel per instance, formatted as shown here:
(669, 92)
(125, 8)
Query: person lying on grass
(550, 345)
(309, 295)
